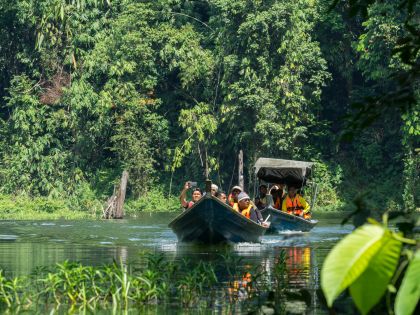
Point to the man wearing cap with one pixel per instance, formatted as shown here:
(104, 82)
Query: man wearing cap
(248, 210)
(233, 196)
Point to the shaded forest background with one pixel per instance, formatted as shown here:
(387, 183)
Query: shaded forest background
(89, 88)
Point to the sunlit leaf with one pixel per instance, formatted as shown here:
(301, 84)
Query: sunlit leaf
(409, 293)
(62, 12)
(368, 289)
(349, 259)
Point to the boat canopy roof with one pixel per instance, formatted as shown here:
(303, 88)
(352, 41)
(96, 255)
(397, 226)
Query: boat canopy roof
(283, 171)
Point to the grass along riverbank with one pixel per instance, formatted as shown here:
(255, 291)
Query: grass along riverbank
(45, 208)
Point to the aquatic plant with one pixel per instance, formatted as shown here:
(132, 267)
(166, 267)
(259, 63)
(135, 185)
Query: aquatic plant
(154, 280)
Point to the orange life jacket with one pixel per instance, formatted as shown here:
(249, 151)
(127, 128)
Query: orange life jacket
(247, 212)
(235, 206)
(294, 206)
(277, 203)
(231, 200)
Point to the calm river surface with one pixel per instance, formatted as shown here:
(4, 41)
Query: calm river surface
(27, 244)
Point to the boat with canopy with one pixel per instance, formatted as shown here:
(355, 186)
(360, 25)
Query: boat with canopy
(289, 172)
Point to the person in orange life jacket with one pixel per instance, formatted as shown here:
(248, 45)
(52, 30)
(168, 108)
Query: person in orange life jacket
(196, 195)
(233, 196)
(248, 210)
(277, 191)
(296, 204)
(261, 199)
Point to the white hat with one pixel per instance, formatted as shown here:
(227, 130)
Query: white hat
(236, 187)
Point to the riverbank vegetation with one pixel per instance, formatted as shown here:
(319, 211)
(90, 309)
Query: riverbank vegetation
(152, 281)
(161, 88)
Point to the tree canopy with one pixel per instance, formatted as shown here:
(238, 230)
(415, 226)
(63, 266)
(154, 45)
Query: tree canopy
(162, 88)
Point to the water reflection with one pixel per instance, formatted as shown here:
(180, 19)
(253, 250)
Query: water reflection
(26, 244)
(299, 265)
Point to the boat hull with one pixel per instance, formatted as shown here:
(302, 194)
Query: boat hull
(282, 221)
(210, 221)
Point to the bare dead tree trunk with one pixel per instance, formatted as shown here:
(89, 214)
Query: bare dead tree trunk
(115, 204)
(241, 169)
(119, 208)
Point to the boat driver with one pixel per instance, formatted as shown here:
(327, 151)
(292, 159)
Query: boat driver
(196, 195)
(296, 204)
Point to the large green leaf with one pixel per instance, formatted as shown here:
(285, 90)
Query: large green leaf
(409, 293)
(371, 285)
(349, 259)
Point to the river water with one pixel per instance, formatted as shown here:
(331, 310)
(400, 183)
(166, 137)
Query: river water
(25, 245)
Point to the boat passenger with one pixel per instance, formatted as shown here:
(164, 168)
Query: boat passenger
(281, 195)
(214, 189)
(247, 209)
(222, 196)
(196, 195)
(278, 195)
(233, 196)
(261, 199)
(296, 204)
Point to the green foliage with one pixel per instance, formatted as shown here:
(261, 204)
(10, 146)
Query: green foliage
(371, 285)
(365, 262)
(273, 73)
(200, 125)
(35, 159)
(165, 88)
(38, 208)
(154, 200)
(349, 259)
(328, 178)
(408, 295)
(376, 43)
(85, 199)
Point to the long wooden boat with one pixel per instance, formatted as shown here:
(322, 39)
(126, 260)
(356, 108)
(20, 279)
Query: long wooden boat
(210, 221)
(282, 221)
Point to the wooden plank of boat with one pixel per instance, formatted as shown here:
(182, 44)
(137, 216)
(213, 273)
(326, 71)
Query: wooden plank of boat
(210, 221)
(282, 221)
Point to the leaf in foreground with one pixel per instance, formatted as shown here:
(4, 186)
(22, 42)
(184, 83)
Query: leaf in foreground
(349, 259)
(409, 293)
(368, 289)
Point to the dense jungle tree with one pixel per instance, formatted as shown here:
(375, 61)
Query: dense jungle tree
(165, 88)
